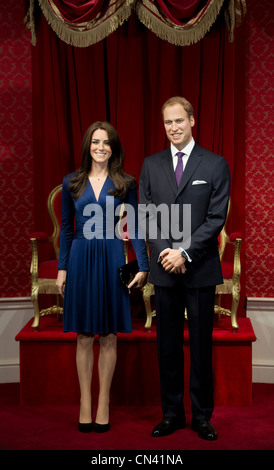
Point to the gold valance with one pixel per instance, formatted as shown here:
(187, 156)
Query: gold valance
(91, 27)
(82, 24)
(184, 33)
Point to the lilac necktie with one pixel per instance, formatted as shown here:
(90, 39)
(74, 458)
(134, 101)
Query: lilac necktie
(179, 168)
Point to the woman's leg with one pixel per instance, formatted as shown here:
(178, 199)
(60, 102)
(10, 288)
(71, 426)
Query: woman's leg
(106, 367)
(84, 363)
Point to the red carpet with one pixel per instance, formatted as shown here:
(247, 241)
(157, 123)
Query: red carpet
(41, 412)
(54, 427)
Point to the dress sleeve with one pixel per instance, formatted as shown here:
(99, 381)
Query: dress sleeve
(137, 240)
(67, 226)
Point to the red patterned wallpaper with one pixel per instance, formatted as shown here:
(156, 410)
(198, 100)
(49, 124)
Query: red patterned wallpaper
(260, 151)
(16, 183)
(16, 195)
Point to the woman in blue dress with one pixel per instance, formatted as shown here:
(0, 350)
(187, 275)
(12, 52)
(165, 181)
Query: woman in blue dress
(91, 252)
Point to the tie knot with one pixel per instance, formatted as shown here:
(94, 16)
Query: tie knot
(180, 154)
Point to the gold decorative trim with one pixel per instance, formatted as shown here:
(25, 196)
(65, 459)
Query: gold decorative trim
(54, 310)
(234, 15)
(183, 35)
(196, 28)
(56, 228)
(30, 22)
(87, 33)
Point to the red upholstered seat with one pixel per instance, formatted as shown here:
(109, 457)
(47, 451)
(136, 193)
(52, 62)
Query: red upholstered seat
(227, 269)
(48, 269)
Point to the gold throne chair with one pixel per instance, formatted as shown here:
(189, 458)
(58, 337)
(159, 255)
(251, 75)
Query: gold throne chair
(44, 273)
(231, 274)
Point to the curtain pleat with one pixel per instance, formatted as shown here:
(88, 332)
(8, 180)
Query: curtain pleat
(125, 79)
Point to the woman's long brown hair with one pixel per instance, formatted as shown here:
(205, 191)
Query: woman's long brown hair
(116, 171)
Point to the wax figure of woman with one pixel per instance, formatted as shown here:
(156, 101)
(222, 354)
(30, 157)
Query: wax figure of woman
(90, 254)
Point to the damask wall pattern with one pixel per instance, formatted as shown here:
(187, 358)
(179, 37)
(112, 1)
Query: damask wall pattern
(259, 201)
(16, 182)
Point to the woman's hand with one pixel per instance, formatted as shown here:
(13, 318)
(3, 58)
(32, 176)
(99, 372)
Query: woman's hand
(60, 281)
(139, 280)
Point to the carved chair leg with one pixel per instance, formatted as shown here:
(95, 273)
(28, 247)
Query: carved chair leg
(35, 302)
(218, 305)
(234, 306)
(150, 313)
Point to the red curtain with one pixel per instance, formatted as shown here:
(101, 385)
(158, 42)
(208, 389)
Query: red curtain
(125, 79)
(178, 11)
(79, 11)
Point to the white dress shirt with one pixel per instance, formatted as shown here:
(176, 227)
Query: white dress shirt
(187, 151)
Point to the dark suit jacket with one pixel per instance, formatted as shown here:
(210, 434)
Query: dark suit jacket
(208, 197)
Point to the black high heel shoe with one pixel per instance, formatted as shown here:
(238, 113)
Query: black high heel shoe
(101, 427)
(85, 427)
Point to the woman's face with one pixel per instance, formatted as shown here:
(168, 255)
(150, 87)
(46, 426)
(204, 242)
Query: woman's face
(100, 149)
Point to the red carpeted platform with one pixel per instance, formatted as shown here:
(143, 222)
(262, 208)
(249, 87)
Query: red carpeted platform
(48, 370)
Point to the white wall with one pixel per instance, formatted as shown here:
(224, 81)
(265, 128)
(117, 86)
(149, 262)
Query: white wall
(261, 313)
(14, 314)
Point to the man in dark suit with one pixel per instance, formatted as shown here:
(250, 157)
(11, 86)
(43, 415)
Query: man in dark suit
(185, 265)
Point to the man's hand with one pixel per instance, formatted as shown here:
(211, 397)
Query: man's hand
(173, 261)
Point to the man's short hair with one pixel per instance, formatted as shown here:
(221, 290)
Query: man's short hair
(179, 100)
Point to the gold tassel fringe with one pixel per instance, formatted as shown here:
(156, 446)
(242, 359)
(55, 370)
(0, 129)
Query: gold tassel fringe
(90, 33)
(174, 34)
(86, 34)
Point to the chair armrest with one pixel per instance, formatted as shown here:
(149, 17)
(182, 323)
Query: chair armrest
(124, 236)
(40, 236)
(34, 260)
(237, 259)
(233, 236)
(34, 238)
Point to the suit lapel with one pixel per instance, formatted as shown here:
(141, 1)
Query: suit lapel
(167, 166)
(192, 163)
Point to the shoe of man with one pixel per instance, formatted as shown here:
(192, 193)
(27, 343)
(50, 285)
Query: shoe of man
(205, 430)
(168, 426)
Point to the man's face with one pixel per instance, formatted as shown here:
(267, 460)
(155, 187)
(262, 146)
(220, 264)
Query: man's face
(178, 125)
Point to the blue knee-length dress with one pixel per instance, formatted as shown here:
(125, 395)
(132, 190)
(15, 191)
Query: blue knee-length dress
(91, 252)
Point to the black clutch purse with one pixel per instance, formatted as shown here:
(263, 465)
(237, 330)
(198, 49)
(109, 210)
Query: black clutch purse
(127, 272)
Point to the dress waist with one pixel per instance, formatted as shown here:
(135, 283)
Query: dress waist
(98, 234)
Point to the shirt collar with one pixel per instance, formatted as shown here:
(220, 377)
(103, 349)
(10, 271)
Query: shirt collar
(187, 149)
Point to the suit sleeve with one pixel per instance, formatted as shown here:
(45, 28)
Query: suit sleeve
(148, 215)
(207, 233)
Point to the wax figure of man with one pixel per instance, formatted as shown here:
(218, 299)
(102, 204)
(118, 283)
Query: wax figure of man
(186, 270)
